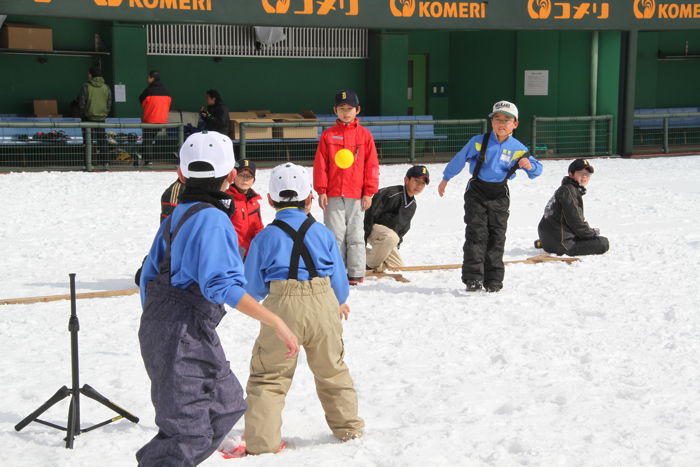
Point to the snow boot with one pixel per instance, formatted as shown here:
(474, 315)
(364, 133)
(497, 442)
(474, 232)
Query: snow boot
(473, 285)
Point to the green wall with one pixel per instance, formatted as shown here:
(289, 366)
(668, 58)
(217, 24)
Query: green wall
(482, 71)
(25, 78)
(667, 83)
(275, 84)
(487, 66)
(435, 45)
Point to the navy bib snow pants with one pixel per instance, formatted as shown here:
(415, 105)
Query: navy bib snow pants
(197, 398)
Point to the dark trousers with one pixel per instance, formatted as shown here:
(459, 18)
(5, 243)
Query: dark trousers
(197, 398)
(100, 153)
(485, 237)
(590, 246)
(149, 144)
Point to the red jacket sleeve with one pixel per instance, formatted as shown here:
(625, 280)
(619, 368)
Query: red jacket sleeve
(370, 185)
(321, 166)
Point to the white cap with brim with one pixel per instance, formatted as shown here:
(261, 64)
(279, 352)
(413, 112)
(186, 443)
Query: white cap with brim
(292, 178)
(505, 108)
(211, 147)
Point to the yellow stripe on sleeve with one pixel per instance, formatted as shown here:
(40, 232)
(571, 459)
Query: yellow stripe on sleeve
(517, 155)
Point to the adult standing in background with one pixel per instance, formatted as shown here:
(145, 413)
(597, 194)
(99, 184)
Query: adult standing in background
(215, 114)
(95, 103)
(155, 100)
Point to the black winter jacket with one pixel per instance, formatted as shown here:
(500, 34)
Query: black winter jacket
(393, 208)
(216, 118)
(563, 222)
(170, 199)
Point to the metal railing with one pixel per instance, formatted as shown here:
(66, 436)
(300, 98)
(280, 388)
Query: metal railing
(678, 132)
(572, 136)
(396, 140)
(27, 145)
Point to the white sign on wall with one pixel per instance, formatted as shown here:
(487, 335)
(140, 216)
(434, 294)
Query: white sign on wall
(120, 93)
(536, 82)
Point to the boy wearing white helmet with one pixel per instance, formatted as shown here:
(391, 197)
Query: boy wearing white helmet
(192, 269)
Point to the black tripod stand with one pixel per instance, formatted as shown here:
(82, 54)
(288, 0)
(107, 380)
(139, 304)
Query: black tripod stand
(73, 426)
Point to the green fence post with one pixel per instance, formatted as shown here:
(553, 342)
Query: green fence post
(666, 148)
(88, 148)
(610, 134)
(181, 135)
(243, 127)
(413, 143)
(592, 139)
(533, 149)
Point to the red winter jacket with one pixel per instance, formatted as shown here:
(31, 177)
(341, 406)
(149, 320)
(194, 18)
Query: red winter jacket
(358, 180)
(246, 217)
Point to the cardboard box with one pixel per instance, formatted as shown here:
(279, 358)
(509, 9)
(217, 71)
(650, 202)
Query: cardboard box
(26, 37)
(259, 113)
(240, 115)
(305, 132)
(250, 133)
(45, 108)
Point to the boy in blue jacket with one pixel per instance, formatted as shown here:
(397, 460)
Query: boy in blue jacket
(192, 269)
(296, 265)
(493, 159)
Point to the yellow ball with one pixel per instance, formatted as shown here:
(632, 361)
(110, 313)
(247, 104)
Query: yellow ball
(344, 158)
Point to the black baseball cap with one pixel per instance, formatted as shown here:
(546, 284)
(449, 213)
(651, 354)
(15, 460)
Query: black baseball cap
(245, 164)
(347, 97)
(580, 164)
(419, 171)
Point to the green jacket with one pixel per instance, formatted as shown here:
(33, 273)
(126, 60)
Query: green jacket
(95, 100)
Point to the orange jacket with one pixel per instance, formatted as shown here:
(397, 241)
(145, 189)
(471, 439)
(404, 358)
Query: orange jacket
(155, 100)
(358, 180)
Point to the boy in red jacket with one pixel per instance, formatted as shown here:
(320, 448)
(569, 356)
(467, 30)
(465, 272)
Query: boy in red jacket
(246, 217)
(346, 176)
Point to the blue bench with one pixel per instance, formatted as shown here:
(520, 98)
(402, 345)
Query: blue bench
(673, 122)
(389, 133)
(393, 132)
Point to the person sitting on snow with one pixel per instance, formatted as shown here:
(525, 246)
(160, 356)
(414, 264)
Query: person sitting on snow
(563, 229)
(389, 218)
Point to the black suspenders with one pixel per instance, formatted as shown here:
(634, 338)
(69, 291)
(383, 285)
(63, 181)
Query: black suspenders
(482, 158)
(299, 250)
(164, 265)
(482, 154)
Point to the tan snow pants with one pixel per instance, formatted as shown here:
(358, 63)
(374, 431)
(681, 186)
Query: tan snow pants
(383, 254)
(310, 309)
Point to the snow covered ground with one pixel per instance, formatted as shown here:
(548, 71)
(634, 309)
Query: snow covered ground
(591, 364)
